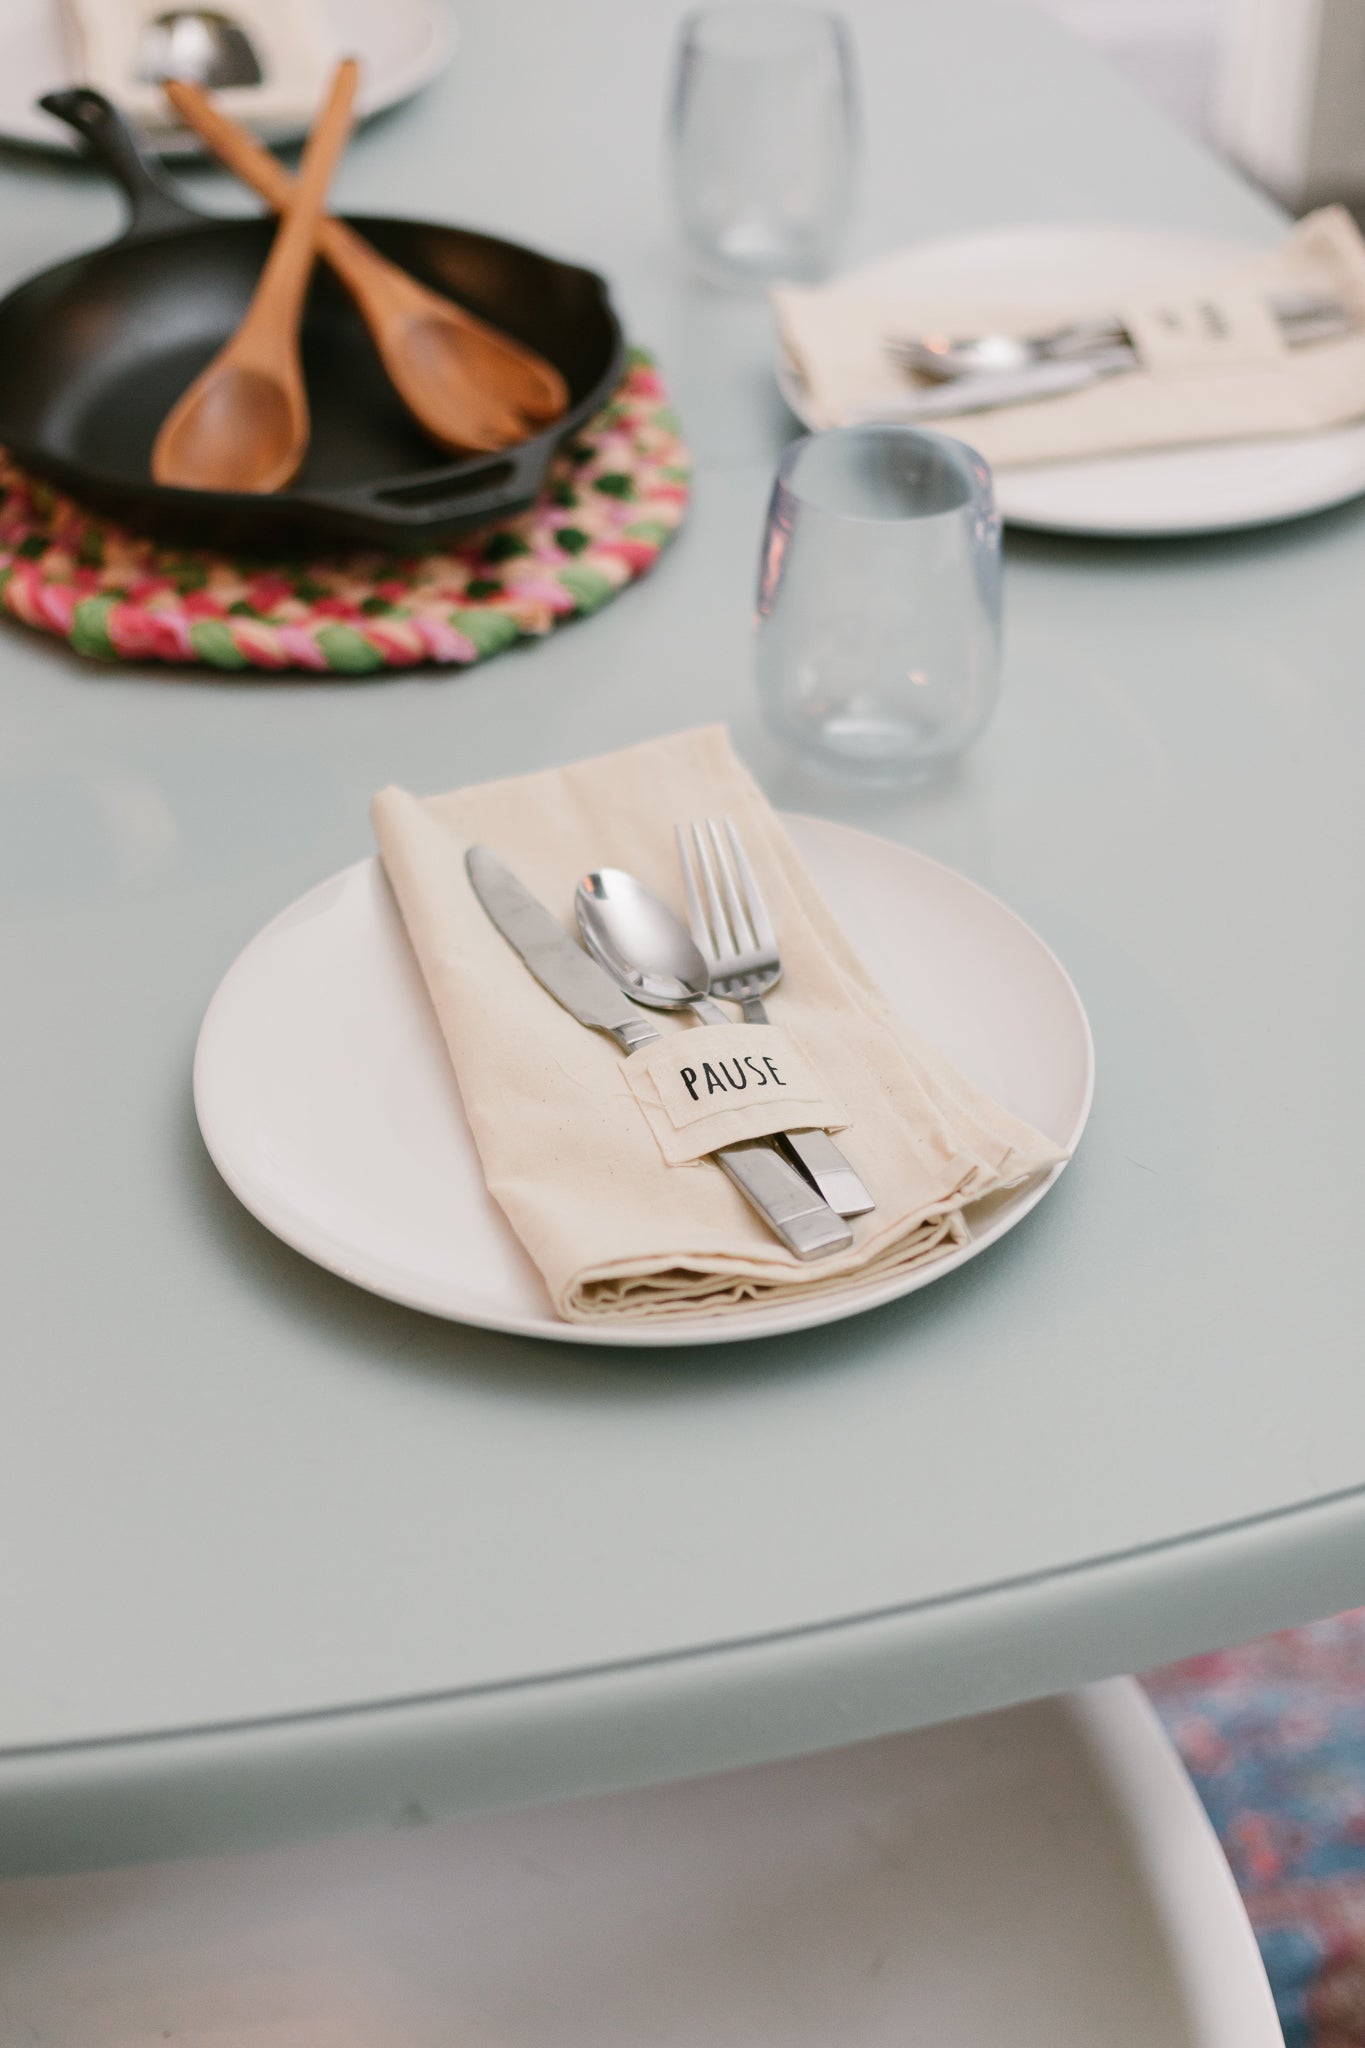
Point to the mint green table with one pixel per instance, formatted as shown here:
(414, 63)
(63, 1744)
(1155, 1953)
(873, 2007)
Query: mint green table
(277, 1557)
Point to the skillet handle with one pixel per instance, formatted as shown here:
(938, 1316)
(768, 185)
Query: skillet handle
(153, 208)
(478, 487)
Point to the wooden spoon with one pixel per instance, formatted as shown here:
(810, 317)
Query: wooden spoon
(243, 423)
(466, 384)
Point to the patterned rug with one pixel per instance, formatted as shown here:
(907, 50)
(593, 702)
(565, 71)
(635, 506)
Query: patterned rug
(614, 497)
(1273, 1735)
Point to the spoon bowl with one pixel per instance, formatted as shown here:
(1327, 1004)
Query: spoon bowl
(437, 373)
(942, 359)
(243, 424)
(201, 44)
(646, 950)
(241, 432)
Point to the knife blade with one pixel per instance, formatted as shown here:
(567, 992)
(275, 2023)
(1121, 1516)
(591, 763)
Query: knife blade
(993, 389)
(556, 959)
(799, 1216)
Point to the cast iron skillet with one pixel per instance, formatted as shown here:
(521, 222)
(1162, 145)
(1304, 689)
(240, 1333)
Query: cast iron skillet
(94, 352)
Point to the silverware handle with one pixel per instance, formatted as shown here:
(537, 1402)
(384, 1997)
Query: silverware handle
(822, 1162)
(800, 1217)
(1325, 326)
(1083, 337)
(1291, 310)
(995, 388)
(814, 1152)
(1288, 308)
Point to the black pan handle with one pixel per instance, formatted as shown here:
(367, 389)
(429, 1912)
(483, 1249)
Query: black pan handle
(153, 208)
(476, 488)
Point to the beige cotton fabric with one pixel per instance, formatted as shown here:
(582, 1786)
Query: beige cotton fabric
(566, 1150)
(1249, 384)
(741, 1081)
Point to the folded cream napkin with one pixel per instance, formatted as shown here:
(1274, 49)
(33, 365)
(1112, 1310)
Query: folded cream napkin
(1231, 377)
(106, 42)
(568, 1150)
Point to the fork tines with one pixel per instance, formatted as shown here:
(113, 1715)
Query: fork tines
(725, 906)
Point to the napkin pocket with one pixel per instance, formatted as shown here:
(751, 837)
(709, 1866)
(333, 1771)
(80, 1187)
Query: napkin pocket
(1227, 328)
(702, 1089)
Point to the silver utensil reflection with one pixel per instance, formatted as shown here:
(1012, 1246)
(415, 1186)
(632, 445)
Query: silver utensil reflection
(732, 929)
(797, 1215)
(654, 959)
(200, 45)
(994, 389)
(1305, 317)
(646, 950)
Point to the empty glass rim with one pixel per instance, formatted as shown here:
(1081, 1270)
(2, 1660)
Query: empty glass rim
(760, 27)
(972, 468)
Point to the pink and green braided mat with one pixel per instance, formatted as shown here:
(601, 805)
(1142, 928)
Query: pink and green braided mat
(615, 495)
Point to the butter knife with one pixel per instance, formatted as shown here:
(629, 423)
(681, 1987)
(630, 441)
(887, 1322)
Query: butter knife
(800, 1217)
(992, 389)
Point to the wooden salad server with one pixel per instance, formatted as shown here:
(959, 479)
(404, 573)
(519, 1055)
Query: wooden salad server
(469, 386)
(243, 423)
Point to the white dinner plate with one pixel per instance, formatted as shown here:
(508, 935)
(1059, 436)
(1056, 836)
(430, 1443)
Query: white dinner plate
(1213, 489)
(330, 1108)
(401, 44)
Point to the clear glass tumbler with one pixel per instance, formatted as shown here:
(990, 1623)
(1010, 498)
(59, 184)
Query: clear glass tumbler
(879, 602)
(764, 138)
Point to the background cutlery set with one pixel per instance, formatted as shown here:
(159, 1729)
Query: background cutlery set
(1117, 380)
(978, 373)
(269, 54)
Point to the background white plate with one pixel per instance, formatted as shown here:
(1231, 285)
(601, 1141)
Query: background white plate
(1167, 490)
(401, 44)
(329, 1106)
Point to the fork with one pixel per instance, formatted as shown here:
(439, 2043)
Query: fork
(1303, 317)
(731, 926)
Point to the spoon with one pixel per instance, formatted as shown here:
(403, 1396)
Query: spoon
(646, 950)
(198, 43)
(243, 423)
(942, 357)
(466, 384)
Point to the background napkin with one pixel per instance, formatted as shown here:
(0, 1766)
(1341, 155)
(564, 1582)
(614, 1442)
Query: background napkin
(293, 42)
(565, 1148)
(1253, 385)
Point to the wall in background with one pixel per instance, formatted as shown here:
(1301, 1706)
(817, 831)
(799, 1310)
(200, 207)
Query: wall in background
(1276, 85)
(1167, 47)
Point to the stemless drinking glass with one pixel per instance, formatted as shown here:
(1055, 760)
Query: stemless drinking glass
(879, 601)
(763, 139)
